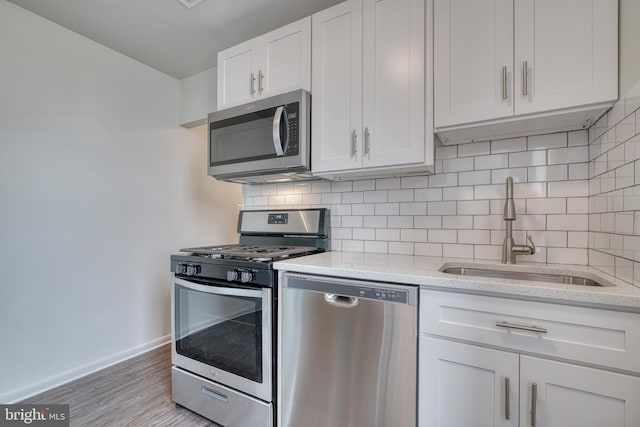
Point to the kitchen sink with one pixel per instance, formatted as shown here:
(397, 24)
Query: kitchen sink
(536, 274)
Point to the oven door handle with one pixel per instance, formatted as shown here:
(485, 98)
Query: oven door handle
(220, 289)
(279, 145)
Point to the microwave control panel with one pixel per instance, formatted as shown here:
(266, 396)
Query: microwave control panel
(292, 118)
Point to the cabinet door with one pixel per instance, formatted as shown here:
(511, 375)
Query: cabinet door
(569, 49)
(393, 82)
(569, 395)
(285, 59)
(236, 78)
(465, 385)
(473, 60)
(337, 88)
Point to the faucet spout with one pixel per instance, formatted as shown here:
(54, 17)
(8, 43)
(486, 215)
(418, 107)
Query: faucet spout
(509, 248)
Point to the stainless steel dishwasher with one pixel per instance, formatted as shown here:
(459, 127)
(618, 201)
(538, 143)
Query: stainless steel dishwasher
(347, 353)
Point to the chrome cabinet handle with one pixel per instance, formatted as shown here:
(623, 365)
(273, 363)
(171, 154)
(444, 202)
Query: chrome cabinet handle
(366, 141)
(534, 403)
(354, 144)
(531, 328)
(507, 400)
(504, 82)
(277, 143)
(252, 84)
(260, 77)
(525, 78)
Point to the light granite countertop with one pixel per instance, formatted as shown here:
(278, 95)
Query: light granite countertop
(424, 272)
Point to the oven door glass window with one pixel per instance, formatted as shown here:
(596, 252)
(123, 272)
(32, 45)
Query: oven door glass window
(222, 331)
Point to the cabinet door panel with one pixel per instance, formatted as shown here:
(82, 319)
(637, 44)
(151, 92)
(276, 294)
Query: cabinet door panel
(473, 45)
(337, 87)
(569, 395)
(287, 58)
(570, 49)
(393, 82)
(464, 385)
(235, 66)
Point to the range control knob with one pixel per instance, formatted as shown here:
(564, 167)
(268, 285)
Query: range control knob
(232, 275)
(246, 276)
(181, 268)
(192, 269)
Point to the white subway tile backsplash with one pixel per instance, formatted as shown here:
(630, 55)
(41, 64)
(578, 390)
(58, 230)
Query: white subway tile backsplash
(548, 173)
(528, 158)
(499, 176)
(427, 222)
(474, 178)
(481, 237)
(387, 208)
(401, 196)
(553, 140)
(576, 256)
(427, 195)
(414, 208)
(457, 193)
(443, 236)
(414, 182)
(568, 222)
(474, 149)
(457, 251)
(547, 206)
(387, 183)
(494, 161)
(577, 193)
(457, 222)
(441, 208)
(509, 145)
(364, 185)
(579, 137)
(568, 155)
(473, 207)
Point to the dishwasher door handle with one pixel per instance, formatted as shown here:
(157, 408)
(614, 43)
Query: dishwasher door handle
(341, 300)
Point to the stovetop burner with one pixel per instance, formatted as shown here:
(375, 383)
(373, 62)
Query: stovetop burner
(258, 253)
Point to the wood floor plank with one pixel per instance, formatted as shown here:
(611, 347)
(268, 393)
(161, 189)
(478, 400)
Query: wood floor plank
(134, 393)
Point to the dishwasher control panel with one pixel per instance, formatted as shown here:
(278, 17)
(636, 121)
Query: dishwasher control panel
(383, 294)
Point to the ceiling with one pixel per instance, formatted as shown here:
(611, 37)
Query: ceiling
(166, 35)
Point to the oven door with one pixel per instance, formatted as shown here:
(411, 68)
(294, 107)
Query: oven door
(223, 333)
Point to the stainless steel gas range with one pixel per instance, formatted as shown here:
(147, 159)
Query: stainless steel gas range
(224, 313)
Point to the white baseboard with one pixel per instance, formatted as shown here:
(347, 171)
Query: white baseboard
(73, 374)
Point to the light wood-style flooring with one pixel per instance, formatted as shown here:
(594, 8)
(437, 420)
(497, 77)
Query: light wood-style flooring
(136, 392)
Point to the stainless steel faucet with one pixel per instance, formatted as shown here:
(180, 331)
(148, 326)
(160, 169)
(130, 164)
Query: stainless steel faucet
(509, 248)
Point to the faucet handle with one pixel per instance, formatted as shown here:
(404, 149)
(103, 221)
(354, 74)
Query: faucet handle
(532, 246)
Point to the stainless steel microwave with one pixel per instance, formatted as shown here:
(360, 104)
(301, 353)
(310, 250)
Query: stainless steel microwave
(265, 141)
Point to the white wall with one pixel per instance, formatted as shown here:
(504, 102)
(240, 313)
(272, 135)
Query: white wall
(98, 185)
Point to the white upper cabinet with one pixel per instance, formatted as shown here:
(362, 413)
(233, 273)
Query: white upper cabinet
(500, 61)
(268, 65)
(370, 114)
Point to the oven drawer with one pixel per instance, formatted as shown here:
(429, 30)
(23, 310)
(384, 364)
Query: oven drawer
(218, 403)
(589, 335)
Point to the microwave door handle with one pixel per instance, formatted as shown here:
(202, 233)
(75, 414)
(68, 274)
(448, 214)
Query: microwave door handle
(277, 143)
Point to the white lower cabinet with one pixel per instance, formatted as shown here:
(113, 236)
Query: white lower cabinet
(489, 380)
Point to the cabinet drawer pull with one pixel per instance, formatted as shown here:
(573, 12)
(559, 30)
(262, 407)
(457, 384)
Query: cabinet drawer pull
(366, 142)
(531, 328)
(525, 78)
(504, 82)
(507, 400)
(534, 403)
(354, 144)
